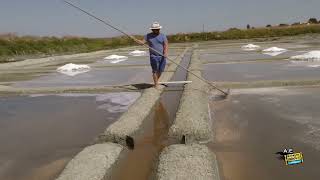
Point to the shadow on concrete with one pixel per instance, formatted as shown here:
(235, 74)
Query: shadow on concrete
(141, 86)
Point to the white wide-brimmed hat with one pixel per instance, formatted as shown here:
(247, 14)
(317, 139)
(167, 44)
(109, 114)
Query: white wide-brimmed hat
(155, 25)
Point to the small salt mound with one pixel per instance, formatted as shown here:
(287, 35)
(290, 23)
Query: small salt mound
(115, 57)
(73, 69)
(273, 53)
(310, 56)
(250, 47)
(314, 66)
(117, 61)
(274, 49)
(138, 53)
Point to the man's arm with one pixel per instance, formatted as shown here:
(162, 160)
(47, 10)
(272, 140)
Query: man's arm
(142, 42)
(165, 48)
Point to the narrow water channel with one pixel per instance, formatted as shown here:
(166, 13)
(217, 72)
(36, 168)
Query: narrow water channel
(140, 162)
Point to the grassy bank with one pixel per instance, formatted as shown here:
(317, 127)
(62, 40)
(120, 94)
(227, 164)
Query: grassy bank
(14, 48)
(233, 33)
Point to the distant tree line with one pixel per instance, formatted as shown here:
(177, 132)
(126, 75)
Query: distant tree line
(13, 46)
(310, 21)
(235, 33)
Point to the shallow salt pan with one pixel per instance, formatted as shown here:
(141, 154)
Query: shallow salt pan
(73, 69)
(111, 102)
(138, 53)
(250, 47)
(117, 102)
(310, 56)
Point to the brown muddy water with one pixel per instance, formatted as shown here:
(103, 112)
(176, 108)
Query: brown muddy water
(40, 134)
(140, 162)
(250, 127)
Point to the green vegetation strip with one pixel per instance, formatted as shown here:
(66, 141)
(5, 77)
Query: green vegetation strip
(13, 48)
(234, 33)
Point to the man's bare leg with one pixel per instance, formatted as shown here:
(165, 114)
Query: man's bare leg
(155, 79)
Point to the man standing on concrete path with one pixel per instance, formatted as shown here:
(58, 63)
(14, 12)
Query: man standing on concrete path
(159, 42)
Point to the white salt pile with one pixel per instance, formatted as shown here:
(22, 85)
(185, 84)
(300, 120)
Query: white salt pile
(73, 69)
(314, 66)
(116, 59)
(310, 56)
(138, 53)
(250, 47)
(274, 51)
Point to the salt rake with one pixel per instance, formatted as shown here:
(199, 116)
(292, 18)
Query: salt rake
(225, 94)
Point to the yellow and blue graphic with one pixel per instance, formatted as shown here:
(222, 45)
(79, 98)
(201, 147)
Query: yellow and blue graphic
(294, 158)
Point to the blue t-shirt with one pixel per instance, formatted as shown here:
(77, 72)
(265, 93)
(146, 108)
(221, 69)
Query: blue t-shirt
(156, 42)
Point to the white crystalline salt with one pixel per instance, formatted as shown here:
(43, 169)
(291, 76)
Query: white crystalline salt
(117, 61)
(310, 56)
(73, 69)
(250, 47)
(273, 53)
(138, 53)
(274, 49)
(116, 57)
(37, 95)
(117, 102)
(314, 66)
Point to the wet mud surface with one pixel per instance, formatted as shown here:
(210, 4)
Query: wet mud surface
(251, 127)
(95, 77)
(40, 134)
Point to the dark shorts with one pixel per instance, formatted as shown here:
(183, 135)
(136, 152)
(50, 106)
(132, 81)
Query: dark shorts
(158, 63)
